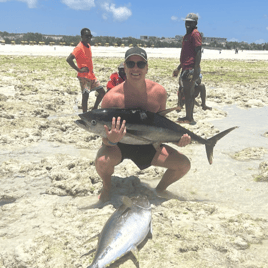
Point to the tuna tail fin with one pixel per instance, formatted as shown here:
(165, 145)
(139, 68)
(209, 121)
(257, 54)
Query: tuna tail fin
(212, 141)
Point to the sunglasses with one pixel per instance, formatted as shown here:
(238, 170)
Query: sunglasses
(88, 36)
(140, 64)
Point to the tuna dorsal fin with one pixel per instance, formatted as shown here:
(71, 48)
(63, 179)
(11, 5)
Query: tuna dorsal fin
(127, 201)
(164, 112)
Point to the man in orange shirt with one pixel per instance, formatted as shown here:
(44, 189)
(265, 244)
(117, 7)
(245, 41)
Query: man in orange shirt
(88, 81)
(117, 78)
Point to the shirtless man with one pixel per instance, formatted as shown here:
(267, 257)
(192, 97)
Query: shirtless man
(137, 93)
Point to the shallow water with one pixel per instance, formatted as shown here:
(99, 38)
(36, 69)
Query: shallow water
(44, 149)
(6, 201)
(226, 181)
(252, 125)
(229, 181)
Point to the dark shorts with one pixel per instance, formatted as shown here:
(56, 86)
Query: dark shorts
(185, 74)
(141, 155)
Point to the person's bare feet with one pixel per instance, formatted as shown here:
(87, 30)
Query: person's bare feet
(205, 107)
(163, 194)
(184, 120)
(104, 195)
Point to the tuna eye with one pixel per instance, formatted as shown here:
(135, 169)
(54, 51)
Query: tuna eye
(93, 122)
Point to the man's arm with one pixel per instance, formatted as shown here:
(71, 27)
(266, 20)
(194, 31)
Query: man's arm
(176, 71)
(70, 60)
(197, 63)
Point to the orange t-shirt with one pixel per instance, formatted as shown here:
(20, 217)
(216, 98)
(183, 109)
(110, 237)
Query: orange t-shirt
(83, 56)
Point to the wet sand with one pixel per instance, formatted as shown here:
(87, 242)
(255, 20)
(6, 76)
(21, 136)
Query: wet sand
(216, 216)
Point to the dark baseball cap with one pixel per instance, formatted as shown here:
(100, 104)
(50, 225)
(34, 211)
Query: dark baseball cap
(136, 51)
(191, 17)
(121, 65)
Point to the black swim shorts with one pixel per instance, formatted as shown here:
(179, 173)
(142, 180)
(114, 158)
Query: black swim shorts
(141, 155)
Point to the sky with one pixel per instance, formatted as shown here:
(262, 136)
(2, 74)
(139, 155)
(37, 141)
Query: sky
(235, 20)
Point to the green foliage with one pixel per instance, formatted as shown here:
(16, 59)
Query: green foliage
(111, 40)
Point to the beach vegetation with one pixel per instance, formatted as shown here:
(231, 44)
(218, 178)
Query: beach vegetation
(215, 72)
(149, 41)
(261, 178)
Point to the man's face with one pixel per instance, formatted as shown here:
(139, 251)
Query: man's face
(190, 25)
(136, 72)
(86, 37)
(122, 72)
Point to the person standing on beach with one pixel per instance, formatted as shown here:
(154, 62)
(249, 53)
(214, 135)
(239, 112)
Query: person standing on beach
(88, 81)
(190, 59)
(117, 77)
(137, 93)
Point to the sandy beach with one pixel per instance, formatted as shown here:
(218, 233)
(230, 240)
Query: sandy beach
(119, 52)
(215, 216)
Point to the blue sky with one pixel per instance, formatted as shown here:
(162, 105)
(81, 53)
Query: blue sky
(235, 20)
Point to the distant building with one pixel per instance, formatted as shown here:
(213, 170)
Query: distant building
(178, 37)
(54, 37)
(169, 40)
(147, 38)
(13, 36)
(208, 40)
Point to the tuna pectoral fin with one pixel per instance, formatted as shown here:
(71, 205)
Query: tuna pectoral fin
(90, 252)
(91, 238)
(134, 135)
(212, 141)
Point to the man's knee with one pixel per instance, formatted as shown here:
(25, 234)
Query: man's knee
(107, 158)
(185, 164)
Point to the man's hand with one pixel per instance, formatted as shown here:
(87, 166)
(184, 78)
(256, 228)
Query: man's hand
(184, 140)
(175, 73)
(83, 70)
(116, 133)
(196, 74)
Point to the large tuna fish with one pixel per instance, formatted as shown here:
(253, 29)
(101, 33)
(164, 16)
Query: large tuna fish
(144, 127)
(127, 227)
